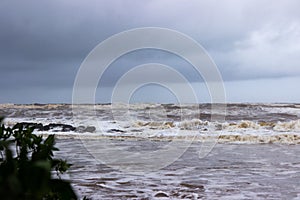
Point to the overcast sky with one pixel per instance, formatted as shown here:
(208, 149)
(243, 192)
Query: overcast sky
(254, 43)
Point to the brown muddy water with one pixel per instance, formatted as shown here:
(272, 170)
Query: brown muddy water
(230, 171)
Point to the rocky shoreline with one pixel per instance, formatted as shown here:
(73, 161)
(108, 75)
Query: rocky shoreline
(56, 127)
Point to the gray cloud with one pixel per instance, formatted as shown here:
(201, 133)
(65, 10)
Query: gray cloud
(44, 42)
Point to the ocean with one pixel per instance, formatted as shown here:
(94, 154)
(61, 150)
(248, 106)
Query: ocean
(169, 151)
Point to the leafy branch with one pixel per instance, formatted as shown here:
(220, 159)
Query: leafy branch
(26, 163)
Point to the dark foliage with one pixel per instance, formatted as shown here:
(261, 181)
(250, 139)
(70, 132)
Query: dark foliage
(27, 164)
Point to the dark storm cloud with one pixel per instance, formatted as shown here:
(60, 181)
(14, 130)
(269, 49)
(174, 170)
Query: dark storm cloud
(47, 30)
(42, 43)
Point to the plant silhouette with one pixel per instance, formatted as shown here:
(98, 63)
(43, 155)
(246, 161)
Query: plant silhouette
(27, 164)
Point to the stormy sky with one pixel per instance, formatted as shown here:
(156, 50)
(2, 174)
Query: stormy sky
(254, 43)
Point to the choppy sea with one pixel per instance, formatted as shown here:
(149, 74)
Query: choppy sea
(253, 153)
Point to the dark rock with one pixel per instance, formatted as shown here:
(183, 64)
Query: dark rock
(115, 131)
(46, 128)
(80, 129)
(90, 129)
(41, 127)
(83, 129)
(64, 127)
(36, 126)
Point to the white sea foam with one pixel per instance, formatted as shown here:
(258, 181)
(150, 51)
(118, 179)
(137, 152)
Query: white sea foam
(288, 126)
(287, 110)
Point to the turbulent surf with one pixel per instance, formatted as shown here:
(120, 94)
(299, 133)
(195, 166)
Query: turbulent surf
(246, 123)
